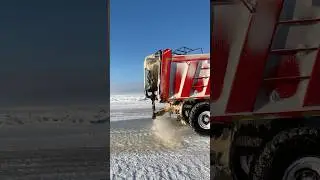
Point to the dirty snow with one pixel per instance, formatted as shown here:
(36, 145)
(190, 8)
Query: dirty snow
(162, 149)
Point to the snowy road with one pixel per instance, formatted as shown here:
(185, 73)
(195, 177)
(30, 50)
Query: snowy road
(143, 149)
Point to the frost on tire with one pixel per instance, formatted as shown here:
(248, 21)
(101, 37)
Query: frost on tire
(199, 118)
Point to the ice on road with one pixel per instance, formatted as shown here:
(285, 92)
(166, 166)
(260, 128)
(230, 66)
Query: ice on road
(144, 149)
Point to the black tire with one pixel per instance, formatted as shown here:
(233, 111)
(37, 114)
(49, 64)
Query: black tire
(185, 112)
(285, 148)
(193, 118)
(246, 143)
(235, 162)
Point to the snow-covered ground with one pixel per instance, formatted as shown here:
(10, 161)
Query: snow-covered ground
(128, 107)
(140, 148)
(145, 149)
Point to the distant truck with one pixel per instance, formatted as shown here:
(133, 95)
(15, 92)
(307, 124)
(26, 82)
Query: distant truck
(181, 81)
(265, 93)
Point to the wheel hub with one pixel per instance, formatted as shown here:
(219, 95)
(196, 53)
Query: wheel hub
(307, 168)
(204, 120)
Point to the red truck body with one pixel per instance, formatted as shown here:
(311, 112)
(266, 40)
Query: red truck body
(265, 59)
(265, 101)
(183, 83)
(184, 76)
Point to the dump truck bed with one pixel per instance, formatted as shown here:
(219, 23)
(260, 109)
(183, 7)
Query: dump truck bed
(265, 58)
(184, 76)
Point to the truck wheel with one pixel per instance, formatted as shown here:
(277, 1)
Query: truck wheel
(292, 155)
(240, 160)
(185, 111)
(199, 118)
(246, 141)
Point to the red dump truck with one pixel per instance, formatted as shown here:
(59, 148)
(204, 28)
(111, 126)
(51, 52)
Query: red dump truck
(265, 87)
(181, 81)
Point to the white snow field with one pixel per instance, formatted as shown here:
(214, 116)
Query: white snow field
(143, 149)
(128, 107)
(69, 142)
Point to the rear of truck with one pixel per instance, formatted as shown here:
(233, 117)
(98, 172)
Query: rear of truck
(181, 81)
(265, 62)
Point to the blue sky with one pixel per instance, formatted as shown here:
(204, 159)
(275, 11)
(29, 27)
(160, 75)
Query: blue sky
(53, 52)
(139, 28)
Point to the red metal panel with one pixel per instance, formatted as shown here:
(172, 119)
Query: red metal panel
(187, 85)
(178, 77)
(199, 84)
(283, 115)
(208, 87)
(165, 74)
(221, 119)
(219, 54)
(286, 78)
(249, 74)
(195, 98)
(312, 97)
(301, 22)
(188, 58)
(291, 51)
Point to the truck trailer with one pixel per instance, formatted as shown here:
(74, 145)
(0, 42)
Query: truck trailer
(181, 81)
(265, 87)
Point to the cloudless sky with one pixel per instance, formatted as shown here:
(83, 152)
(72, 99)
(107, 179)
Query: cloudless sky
(139, 28)
(53, 52)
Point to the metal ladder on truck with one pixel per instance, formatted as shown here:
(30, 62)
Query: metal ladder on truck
(254, 61)
(295, 77)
